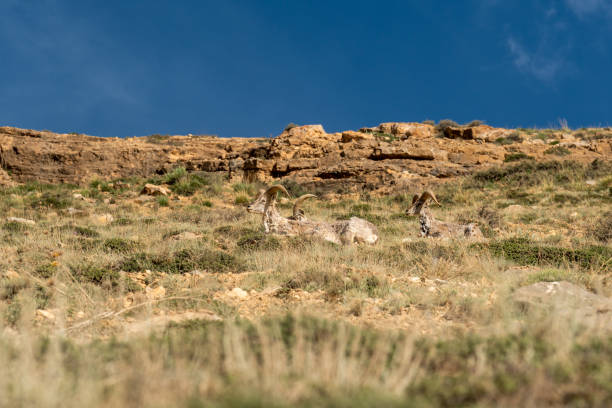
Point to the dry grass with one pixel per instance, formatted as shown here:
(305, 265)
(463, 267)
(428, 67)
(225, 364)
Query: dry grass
(141, 308)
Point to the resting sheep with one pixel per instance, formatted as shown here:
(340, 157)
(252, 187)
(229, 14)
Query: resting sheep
(340, 232)
(430, 227)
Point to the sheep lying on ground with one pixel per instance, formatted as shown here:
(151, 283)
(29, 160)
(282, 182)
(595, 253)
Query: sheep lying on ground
(354, 230)
(430, 227)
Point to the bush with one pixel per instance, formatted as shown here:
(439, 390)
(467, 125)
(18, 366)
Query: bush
(293, 187)
(475, 122)
(14, 226)
(516, 157)
(530, 173)
(446, 123)
(120, 245)
(245, 188)
(290, 126)
(524, 252)
(256, 240)
(558, 151)
(52, 199)
(95, 274)
(242, 200)
(163, 201)
(510, 139)
(175, 175)
(86, 232)
(47, 270)
(602, 228)
(183, 261)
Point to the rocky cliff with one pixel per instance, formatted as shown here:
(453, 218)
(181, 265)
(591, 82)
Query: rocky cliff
(386, 157)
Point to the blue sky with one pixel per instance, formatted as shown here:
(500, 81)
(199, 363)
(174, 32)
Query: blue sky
(247, 68)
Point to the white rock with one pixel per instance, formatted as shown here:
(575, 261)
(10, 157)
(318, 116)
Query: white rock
(239, 293)
(47, 314)
(21, 220)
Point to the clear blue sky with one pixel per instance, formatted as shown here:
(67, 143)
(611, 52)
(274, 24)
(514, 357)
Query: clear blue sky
(247, 68)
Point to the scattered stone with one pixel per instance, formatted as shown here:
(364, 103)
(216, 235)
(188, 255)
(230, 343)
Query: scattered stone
(103, 219)
(591, 182)
(152, 189)
(47, 314)
(566, 300)
(11, 274)
(238, 293)
(21, 220)
(187, 235)
(78, 196)
(155, 291)
(74, 211)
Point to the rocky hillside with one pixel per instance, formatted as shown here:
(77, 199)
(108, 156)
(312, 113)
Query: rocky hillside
(386, 157)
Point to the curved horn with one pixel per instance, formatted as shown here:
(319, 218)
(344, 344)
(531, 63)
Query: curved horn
(415, 198)
(428, 195)
(271, 191)
(299, 201)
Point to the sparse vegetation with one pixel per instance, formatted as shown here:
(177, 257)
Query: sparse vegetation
(511, 157)
(558, 151)
(195, 305)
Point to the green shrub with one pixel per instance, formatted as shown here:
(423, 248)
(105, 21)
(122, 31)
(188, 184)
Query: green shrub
(120, 245)
(446, 123)
(475, 122)
(290, 126)
(95, 274)
(558, 151)
(246, 188)
(293, 187)
(123, 221)
(531, 173)
(512, 138)
(14, 226)
(52, 199)
(602, 228)
(183, 261)
(86, 232)
(549, 275)
(256, 240)
(46, 270)
(163, 201)
(516, 157)
(525, 252)
(175, 175)
(242, 200)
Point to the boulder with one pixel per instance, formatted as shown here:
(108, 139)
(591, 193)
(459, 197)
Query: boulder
(567, 300)
(154, 190)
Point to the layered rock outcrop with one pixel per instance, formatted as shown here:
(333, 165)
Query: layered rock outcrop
(390, 156)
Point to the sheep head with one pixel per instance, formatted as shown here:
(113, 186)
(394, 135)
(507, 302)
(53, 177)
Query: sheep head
(420, 203)
(258, 205)
(297, 211)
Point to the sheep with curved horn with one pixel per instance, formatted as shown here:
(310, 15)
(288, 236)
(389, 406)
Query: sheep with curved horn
(272, 219)
(340, 232)
(298, 213)
(430, 227)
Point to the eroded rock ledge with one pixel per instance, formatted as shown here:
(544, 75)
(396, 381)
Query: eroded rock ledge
(389, 156)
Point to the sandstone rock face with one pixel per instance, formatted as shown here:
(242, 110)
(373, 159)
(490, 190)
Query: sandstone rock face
(392, 156)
